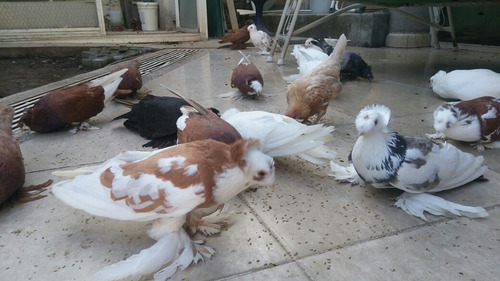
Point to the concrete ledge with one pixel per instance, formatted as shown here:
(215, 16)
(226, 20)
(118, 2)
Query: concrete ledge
(408, 40)
(368, 29)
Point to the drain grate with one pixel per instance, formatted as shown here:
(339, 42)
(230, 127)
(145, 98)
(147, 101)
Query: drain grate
(151, 64)
(148, 65)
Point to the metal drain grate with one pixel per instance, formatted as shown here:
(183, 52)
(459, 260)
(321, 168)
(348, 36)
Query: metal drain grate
(148, 65)
(151, 64)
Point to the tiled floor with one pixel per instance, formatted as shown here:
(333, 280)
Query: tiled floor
(309, 227)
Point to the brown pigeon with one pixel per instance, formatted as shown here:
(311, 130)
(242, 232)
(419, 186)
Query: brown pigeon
(239, 38)
(72, 104)
(247, 78)
(132, 80)
(199, 123)
(12, 171)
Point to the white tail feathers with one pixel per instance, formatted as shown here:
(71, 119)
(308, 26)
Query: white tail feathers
(173, 251)
(417, 203)
(101, 81)
(109, 82)
(284, 136)
(110, 89)
(345, 174)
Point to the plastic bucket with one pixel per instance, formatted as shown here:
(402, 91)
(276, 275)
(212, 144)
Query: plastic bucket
(320, 6)
(148, 12)
(115, 17)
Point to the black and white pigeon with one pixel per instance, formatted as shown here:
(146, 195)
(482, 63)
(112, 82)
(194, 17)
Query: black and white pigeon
(466, 84)
(352, 66)
(154, 118)
(476, 121)
(418, 166)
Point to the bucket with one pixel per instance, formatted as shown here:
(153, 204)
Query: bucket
(115, 17)
(148, 12)
(320, 6)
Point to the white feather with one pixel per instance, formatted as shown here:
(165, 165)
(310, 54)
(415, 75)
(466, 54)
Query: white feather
(307, 60)
(417, 203)
(282, 135)
(466, 84)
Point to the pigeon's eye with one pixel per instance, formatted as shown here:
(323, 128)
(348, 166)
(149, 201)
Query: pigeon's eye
(262, 173)
(376, 122)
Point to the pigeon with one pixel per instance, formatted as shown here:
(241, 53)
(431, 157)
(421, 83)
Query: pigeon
(283, 136)
(415, 165)
(199, 123)
(73, 104)
(260, 39)
(352, 66)
(247, 79)
(476, 121)
(310, 94)
(466, 84)
(239, 38)
(164, 186)
(12, 172)
(131, 80)
(154, 118)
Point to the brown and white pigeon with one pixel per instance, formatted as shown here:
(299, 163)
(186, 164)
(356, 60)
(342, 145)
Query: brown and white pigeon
(466, 84)
(73, 104)
(260, 39)
(247, 79)
(476, 121)
(418, 166)
(165, 186)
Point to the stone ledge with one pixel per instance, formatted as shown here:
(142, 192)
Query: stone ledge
(408, 40)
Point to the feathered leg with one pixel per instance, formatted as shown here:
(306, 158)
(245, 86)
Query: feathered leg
(208, 221)
(174, 249)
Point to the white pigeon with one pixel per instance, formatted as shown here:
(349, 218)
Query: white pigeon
(307, 60)
(171, 187)
(476, 121)
(384, 159)
(466, 84)
(283, 136)
(260, 39)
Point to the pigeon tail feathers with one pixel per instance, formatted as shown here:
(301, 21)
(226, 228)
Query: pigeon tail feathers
(417, 203)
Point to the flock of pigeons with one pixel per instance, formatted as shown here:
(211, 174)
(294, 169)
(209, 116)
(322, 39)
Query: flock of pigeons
(204, 158)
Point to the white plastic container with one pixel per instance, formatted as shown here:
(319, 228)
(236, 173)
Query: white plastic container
(115, 17)
(148, 12)
(320, 6)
